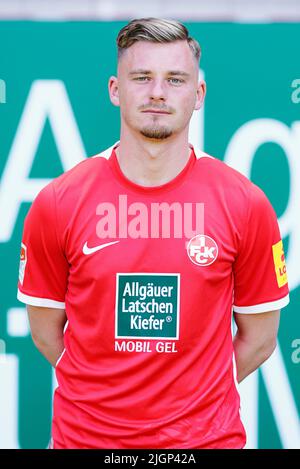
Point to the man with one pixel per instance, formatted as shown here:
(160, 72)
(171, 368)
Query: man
(134, 260)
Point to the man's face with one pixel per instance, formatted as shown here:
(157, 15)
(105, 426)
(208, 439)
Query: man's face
(157, 88)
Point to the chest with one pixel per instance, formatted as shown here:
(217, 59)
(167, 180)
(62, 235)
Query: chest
(196, 236)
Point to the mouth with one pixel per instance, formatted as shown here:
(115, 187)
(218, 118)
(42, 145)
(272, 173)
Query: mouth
(155, 111)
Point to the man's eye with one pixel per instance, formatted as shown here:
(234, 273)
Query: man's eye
(176, 81)
(142, 78)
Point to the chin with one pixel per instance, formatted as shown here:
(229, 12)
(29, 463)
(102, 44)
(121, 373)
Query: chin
(158, 133)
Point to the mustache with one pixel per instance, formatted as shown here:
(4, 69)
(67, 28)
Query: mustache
(161, 107)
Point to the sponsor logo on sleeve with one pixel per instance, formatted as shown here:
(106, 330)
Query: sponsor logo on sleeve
(23, 261)
(279, 263)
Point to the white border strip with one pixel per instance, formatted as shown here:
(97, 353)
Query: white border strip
(59, 358)
(234, 371)
(107, 153)
(117, 10)
(263, 307)
(34, 301)
(201, 154)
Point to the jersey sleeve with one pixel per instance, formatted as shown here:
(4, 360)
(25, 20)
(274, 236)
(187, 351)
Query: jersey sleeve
(43, 271)
(260, 277)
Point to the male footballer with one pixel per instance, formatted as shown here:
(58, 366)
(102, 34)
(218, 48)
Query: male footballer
(134, 262)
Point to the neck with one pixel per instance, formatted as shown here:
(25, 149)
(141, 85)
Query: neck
(152, 163)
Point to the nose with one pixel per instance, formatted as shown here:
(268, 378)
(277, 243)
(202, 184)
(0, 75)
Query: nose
(158, 91)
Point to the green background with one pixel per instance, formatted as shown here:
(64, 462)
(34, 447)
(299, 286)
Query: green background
(248, 69)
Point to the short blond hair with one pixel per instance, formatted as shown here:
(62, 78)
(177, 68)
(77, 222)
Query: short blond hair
(155, 30)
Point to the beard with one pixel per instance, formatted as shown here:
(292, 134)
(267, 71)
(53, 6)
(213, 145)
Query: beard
(154, 129)
(156, 132)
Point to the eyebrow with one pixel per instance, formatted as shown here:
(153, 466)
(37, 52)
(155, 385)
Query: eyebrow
(148, 72)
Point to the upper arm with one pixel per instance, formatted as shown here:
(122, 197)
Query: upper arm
(261, 328)
(44, 268)
(46, 323)
(260, 279)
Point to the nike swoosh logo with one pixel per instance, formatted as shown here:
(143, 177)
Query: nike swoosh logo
(86, 250)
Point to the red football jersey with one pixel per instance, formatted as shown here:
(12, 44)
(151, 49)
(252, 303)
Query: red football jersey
(149, 277)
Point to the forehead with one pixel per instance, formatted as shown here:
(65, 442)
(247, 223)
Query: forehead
(158, 56)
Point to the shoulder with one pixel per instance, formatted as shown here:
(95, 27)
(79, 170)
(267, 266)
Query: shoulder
(220, 175)
(219, 171)
(82, 173)
(233, 189)
(67, 188)
(79, 178)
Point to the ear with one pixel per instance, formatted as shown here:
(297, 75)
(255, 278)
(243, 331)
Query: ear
(201, 92)
(113, 90)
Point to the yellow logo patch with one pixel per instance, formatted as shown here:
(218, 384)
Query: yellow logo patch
(279, 263)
